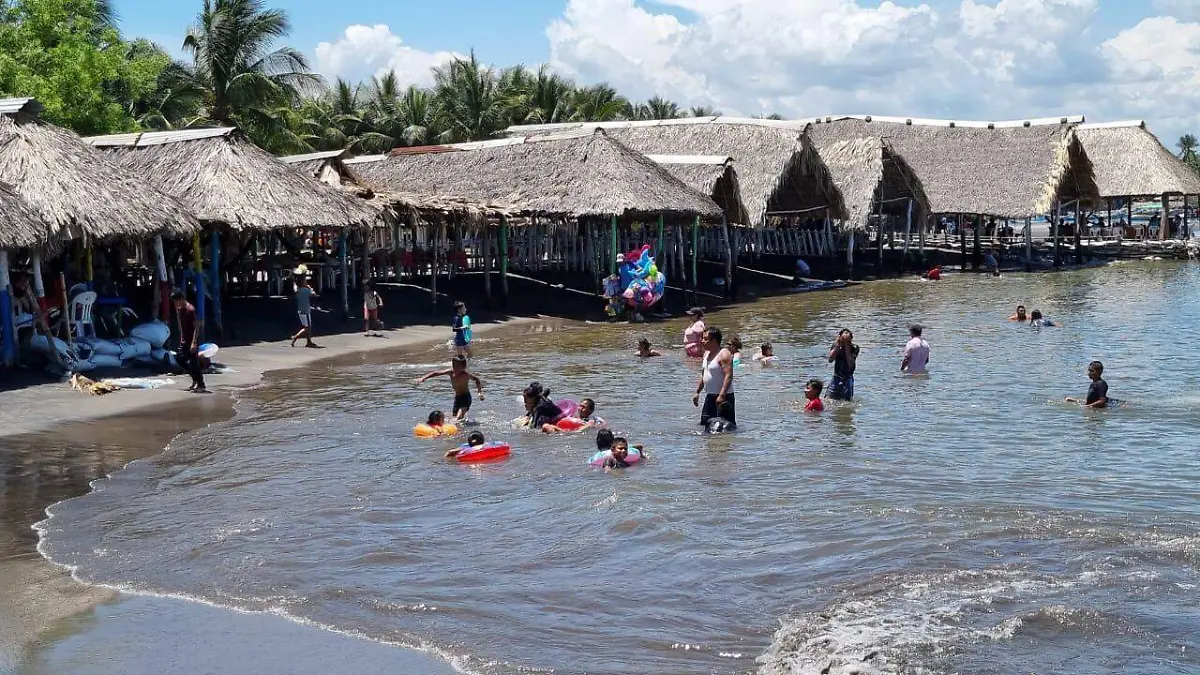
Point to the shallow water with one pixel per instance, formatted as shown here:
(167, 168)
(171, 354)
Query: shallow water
(964, 522)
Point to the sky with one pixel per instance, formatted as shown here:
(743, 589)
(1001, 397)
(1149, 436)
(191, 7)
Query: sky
(955, 59)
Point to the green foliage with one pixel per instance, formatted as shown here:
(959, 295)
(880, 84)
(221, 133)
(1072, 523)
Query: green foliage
(69, 56)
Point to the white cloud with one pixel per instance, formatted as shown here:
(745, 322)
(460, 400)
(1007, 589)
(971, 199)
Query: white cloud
(362, 51)
(982, 59)
(1187, 10)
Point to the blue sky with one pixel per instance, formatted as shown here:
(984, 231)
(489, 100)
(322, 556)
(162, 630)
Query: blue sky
(966, 59)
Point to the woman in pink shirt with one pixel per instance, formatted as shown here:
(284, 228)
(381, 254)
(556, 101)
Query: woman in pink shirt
(693, 335)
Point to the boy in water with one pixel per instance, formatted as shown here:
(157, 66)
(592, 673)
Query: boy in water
(304, 296)
(645, 351)
(844, 357)
(462, 330)
(371, 305)
(460, 379)
(587, 414)
(474, 440)
(620, 453)
(1097, 396)
(812, 392)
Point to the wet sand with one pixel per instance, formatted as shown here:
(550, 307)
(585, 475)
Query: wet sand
(54, 442)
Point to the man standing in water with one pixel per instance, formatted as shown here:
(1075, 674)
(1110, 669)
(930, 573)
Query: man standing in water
(844, 357)
(716, 382)
(916, 353)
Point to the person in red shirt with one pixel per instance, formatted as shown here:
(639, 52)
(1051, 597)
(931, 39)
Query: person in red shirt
(188, 355)
(934, 274)
(812, 392)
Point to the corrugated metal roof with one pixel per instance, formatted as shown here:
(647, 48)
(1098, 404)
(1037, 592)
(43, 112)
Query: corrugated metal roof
(141, 140)
(312, 156)
(365, 159)
(712, 160)
(12, 106)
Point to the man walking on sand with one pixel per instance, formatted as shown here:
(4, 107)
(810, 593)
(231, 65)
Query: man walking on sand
(188, 354)
(304, 295)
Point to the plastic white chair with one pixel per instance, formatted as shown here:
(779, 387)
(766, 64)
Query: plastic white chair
(80, 314)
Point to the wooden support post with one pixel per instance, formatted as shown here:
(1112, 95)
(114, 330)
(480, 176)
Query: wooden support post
(921, 237)
(728, 257)
(1078, 234)
(344, 271)
(850, 255)
(696, 260)
(1186, 232)
(198, 277)
(1028, 244)
(162, 284)
(907, 236)
(1129, 211)
(485, 240)
(976, 248)
(658, 247)
(8, 328)
(1165, 223)
(1055, 226)
(1111, 224)
(215, 263)
(612, 258)
(504, 259)
(89, 268)
(962, 237)
(366, 274)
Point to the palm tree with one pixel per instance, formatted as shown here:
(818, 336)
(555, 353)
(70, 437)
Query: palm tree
(598, 103)
(471, 104)
(246, 82)
(175, 100)
(704, 111)
(1187, 147)
(547, 98)
(662, 109)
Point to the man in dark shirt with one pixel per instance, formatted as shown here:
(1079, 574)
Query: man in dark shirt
(844, 357)
(1097, 396)
(188, 355)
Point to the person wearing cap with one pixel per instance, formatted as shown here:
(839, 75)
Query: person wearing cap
(188, 354)
(693, 335)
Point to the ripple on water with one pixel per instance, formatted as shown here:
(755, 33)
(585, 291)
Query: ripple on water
(964, 522)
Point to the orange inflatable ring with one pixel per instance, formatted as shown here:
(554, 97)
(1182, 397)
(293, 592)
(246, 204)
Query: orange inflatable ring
(426, 431)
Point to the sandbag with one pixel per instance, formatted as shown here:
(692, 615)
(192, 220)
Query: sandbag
(39, 343)
(132, 347)
(105, 361)
(101, 346)
(155, 332)
(82, 366)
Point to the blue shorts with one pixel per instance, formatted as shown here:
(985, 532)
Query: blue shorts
(460, 341)
(841, 389)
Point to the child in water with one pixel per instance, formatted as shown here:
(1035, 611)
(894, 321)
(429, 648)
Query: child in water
(1037, 320)
(812, 392)
(460, 379)
(539, 409)
(766, 353)
(587, 415)
(1097, 396)
(436, 419)
(474, 440)
(604, 439)
(619, 453)
(735, 350)
(645, 351)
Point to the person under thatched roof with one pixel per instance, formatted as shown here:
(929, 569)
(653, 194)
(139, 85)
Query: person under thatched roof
(1129, 161)
(1006, 170)
(77, 190)
(578, 176)
(777, 169)
(871, 177)
(224, 178)
(20, 223)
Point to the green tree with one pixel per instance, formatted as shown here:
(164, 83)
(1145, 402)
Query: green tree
(598, 103)
(69, 55)
(472, 105)
(704, 111)
(547, 98)
(247, 81)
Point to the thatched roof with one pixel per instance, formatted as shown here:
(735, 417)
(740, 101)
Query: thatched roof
(871, 177)
(224, 178)
(576, 176)
(771, 157)
(1008, 170)
(711, 175)
(1129, 161)
(76, 189)
(20, 224)
(329, 167)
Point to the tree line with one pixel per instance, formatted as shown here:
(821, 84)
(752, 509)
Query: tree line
(71, 56)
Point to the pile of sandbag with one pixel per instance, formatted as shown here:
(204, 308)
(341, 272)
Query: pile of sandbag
(144, 346)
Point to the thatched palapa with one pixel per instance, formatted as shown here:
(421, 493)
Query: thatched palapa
(774, 161)
(872, 178)
(20, 224)
(576, 176)
(329, 167)
(1129, 161)
(1008, 170)
(225, 179)
(712, 175)
(76, 189)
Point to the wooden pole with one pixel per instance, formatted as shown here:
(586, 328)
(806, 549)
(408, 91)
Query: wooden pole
(907, 235)
(1129, 210)
(850, 255)
(198, 276)
(976, 247)
(62, 282)
(921, 239)
(1165, 223)
(658, 248)
(215, 263)
(695, 259)
(486, 244)
(504, 259)
(89, 269)
(612, 258)
(366, 259)
(728, 257)
(962, 238)
(1078, 234)
(162, 304)
(344, 271)
(1055, 226)
(1028, 244)
(8, 345)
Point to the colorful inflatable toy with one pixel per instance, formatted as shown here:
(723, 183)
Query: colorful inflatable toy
(483, 453)
(603, 456)
(644, 285)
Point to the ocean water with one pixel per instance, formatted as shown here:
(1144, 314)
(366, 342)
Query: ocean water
(965, 522)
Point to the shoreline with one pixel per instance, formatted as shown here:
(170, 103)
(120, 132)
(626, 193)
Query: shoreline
(44, 604)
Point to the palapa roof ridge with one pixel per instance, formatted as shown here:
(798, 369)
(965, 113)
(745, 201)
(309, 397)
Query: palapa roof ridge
(970, 124)
(711, 160)
(313, 156)
(21, 224)
(1128, 160)
(78, 190)
(224, 178)
(1014, 171)
(583, 176)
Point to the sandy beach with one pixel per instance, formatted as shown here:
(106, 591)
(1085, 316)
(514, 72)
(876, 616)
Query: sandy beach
(55, 441)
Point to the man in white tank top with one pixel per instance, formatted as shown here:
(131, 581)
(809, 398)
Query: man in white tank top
(716, 383)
